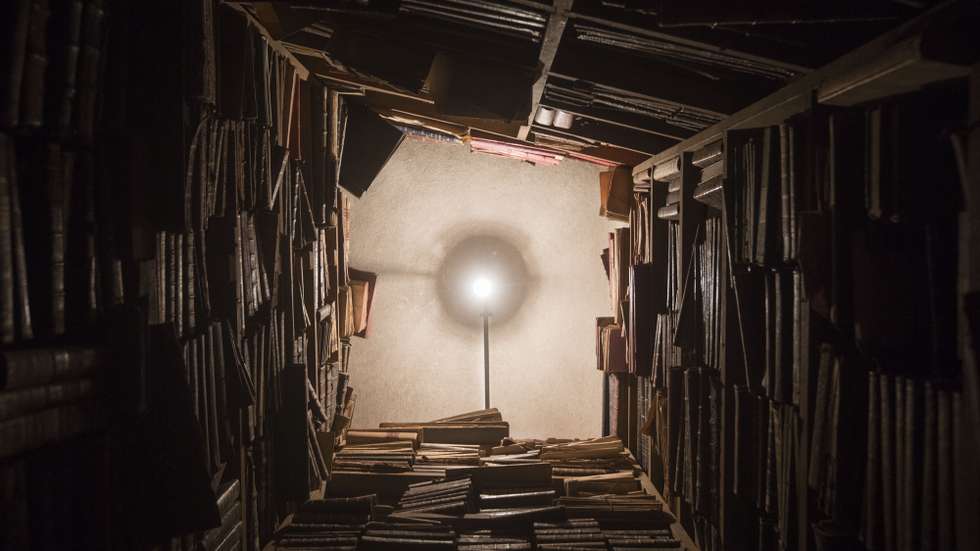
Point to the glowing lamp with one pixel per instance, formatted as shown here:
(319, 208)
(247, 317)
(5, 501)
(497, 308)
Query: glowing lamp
(482, 287)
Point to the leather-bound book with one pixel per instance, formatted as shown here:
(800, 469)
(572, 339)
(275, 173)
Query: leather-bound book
(945, 487)
(888, 453)
(762, 451)
(49, 426)
(929, 504)
(88, 67)
(873, 525)
(24, 323)
(15, 19)
(709, 154)
(66, 25)
(692, 397)
(675, 406)
(773, 458)
(190, 283)
(171, 278)
(211, 382)
(59, 168)
(178, 283)
(901, 467)
(7, 328)
(20, 402)
(40, 366)
(35, 66)
(821, 411)
(913, 464)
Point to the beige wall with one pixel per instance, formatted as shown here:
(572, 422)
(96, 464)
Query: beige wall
(419, 362)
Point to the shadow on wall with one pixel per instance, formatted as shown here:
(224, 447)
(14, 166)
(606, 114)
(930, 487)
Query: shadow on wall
(491, 255)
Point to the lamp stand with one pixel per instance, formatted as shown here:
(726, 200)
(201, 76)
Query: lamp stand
(486, 359)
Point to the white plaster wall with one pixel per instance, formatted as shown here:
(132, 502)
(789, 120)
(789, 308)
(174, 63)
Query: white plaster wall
(418, 363)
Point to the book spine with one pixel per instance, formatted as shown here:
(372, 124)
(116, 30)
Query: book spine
(20, 16)
(62, 104)
(16, 403)
(57, 163)
(35, 66)
(946, 537)
(930, 473)
(887, 459)
(171, 280)
(190, 283)
(873, 488)
(913, 465)
(88, 71)
(48, 426)
(23, 308)
(900, 466)
(7, 329)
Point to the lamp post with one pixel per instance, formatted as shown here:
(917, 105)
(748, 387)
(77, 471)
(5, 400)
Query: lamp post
(482, 289)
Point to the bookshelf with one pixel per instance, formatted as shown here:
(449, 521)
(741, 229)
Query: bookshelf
(176, 304)
(775, 416)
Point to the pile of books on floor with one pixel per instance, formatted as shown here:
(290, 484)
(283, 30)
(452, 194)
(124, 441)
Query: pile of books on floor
(395, 488)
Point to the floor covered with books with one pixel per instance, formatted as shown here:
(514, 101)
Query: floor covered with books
(463, 483)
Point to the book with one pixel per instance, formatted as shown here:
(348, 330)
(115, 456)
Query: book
(615, 193)
(20, 402)
(35, 367)
(35, 65)
(7, 328)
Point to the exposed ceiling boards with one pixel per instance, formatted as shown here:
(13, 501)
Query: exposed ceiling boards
(637, 77)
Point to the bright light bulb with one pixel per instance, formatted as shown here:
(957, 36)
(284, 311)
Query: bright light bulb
(482, 287)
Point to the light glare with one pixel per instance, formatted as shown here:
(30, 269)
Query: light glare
(482, 287)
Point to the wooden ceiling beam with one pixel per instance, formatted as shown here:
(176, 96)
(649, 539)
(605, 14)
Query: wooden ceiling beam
(674, 37)
(595, 131)
(622, 118)
(549, 48)
(658, 80)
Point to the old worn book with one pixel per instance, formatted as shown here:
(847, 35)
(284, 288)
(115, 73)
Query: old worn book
(668, 170)
(93, 22)
(23, 318)
(873, 519)
(65, 23)
(48, 426)
(888, 454)
(930, 506)
(34, 367)
(709, 154)
(35, 65)
(475, 433)
(15, 403)
(16, 18)
(529, 475)
(7, 329)
(615, 193)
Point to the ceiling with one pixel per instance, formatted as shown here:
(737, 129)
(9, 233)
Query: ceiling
(637, 77)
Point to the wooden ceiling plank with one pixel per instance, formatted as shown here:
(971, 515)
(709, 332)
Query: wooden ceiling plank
(622, 118)
(549, 49)
(643, 31)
